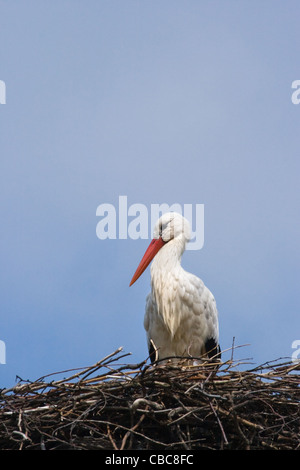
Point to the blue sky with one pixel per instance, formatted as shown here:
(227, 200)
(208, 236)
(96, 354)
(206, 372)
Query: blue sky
(164, 102)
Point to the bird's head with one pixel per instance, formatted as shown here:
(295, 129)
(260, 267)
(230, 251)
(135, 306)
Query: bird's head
(170, 226)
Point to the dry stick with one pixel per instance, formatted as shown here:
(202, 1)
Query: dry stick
(96, 366)
(147, 438)
(38, 385)
(89, 370)
(111, 438)
(219, 422)
(276, 393)
(233, 340)
(181, 437)
(131, 430)
(242, 420)
(238, 427)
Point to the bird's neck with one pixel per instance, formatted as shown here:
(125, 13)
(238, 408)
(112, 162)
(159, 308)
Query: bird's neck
(166, 272)
(169, 257)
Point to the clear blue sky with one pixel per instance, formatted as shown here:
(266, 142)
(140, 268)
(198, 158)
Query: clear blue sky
(164, 102)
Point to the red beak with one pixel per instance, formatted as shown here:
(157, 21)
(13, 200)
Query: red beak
(151, 251)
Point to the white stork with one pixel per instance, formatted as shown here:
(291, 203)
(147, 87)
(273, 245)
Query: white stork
(181, 317)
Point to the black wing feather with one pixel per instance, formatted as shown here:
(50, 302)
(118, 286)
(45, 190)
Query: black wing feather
(212, 348)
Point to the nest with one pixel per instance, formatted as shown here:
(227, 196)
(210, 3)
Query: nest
(113, 406)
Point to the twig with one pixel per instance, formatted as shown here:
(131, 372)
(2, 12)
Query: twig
(110, 405)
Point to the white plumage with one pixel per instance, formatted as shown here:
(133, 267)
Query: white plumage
(181, 317)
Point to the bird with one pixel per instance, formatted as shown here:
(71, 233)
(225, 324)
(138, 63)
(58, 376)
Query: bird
(181, 316)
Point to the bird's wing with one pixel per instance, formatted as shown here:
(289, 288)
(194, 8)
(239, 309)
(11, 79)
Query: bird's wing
(199, 300)
(186, 319)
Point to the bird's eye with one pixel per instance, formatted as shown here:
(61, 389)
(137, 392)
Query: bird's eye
(160, 230)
